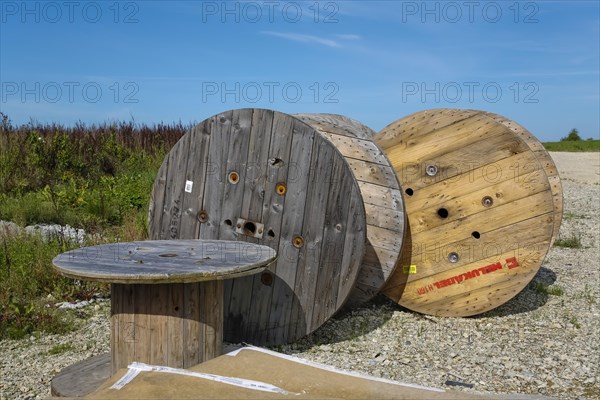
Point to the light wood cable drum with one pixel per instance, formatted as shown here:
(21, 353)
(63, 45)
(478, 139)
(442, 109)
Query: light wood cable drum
(483, 203)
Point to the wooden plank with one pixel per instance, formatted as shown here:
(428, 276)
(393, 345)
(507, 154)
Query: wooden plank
(197, 166)
(174, 189)
(378, 174)
(359, 149)
(380, 195)
(325, 298)
(158, 298)
(237, 162)
(384, 217)
(192, 329)
(216, 177)
(175, 320)
(82, 378)
(283, 296)
(123, 329)
(274, 204)
(338, 124)
(351, 268)
(251, 208)
(157, 209)
(212, 312)
(142, 308)
(320, 179)
(402, 131)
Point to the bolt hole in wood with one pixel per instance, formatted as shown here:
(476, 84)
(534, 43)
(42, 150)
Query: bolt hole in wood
(476, 235)
(298, 241)
(443, 213)
(233, 177)
(409, 191)
(453, 257)
(281, 188)
(271, 233)
(277, 162)
(487, 201)
(228, 222)
(266, 278)
(202, 216)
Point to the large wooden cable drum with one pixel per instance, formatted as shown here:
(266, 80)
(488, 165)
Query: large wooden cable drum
(483, 204)
(270, 178)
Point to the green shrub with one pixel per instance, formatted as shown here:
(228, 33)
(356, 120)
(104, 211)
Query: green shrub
(572, 136)
(573, 242)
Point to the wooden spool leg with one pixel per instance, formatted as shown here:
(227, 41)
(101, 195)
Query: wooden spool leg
(177, 325)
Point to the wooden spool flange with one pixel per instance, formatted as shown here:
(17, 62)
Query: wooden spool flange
(269, 178)
(381, 196)
(483, 204)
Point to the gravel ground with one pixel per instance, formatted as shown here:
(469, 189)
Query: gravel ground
(537, 343)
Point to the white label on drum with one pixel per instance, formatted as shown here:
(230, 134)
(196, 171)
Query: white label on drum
(188, 186)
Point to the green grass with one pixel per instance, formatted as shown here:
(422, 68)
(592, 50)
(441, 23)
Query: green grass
(60, 349)
(97, 178)
(573, 242)
(544, 288)
(573, 146)
(571, 215)
(575, 322)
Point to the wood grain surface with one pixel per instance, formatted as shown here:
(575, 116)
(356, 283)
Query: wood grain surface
(164, 261)
(381, 197)
(260, 176)
(483, 206)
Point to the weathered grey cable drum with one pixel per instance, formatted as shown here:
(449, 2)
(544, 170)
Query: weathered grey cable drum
(275, 179)
(299, 184)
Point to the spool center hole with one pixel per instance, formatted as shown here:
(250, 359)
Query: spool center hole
(443, 213)
(250, 227)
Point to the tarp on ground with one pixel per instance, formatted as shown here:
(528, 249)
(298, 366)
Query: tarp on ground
(256, 373)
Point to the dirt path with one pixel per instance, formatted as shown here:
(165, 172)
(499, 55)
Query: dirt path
(579, 167)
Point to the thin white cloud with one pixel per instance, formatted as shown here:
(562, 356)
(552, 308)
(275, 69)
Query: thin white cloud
(348, 36)
(297, 37)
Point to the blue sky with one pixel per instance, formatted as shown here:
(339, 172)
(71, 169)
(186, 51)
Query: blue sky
(535, 62)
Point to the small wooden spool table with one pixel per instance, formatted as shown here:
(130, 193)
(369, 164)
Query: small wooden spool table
(167, 295)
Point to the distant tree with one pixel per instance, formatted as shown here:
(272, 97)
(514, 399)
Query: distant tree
(573, 136)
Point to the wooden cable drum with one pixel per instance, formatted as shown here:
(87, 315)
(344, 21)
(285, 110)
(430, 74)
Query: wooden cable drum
(483, 203)
(269, 178)
(381, 195)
